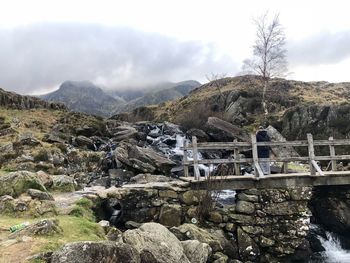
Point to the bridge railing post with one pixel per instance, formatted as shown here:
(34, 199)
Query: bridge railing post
(311, 149)
(185, 159)
(236, 159)
(195, 158)
(332, 154)
(257, 169)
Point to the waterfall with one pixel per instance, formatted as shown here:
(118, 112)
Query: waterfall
(334, 251)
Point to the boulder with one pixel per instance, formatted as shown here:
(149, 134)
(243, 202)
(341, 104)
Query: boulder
(200, 134)
(92, 252)
(43, 227)
(144, 160)
(19, 182)
(123, 133)
(170, 215)
(214, 237)
(223, 131)
(40, 195)
(84, 142)
(63, 183)
(280, 151)
(156, 244)
(196, 251)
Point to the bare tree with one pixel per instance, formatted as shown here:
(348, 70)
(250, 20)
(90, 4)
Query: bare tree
(269, 52)
(214, 78)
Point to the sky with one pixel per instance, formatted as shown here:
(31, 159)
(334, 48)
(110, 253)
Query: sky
(118, 44)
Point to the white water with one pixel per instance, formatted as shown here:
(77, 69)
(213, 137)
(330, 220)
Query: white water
(334, 252)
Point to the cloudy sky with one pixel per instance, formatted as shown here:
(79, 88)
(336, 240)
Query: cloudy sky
(126, 43)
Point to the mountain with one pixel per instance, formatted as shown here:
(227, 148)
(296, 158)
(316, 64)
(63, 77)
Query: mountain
(156, 94)
(84, 96)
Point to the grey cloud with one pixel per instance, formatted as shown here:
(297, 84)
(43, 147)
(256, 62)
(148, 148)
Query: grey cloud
(44, 55)
(322, 48)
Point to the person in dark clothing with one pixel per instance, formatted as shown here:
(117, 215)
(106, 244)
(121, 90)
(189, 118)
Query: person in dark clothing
(263, 151)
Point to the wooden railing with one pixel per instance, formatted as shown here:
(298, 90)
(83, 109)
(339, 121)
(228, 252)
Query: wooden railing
(235, 146)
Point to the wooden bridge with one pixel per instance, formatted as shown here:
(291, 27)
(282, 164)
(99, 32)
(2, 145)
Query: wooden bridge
(315, 176)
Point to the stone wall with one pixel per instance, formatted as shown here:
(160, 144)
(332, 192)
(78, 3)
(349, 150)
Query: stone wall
(262, 225)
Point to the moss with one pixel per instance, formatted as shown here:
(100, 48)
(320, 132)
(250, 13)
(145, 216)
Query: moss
(83, 208)
(73, 229)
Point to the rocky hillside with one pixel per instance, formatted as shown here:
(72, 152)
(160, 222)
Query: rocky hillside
(295, 107)
(15, 101)
(84, 97)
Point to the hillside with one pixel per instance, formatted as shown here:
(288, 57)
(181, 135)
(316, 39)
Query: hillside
(295, 107)
(15, 101)
(161, 93)
(84, 97)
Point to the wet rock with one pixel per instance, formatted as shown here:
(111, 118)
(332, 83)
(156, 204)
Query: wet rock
(196, 251)
(156, 244)
(19, 182)
(63, 183)
(40, 195)
(170, 215)
(91, 252)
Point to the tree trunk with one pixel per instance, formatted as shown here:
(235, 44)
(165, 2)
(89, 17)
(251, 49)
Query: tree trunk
(263, 97)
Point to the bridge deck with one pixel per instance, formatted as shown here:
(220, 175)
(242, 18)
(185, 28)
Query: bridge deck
(271, 181)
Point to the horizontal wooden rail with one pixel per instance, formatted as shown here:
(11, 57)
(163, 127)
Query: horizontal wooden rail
(232, 145)
(253, 145)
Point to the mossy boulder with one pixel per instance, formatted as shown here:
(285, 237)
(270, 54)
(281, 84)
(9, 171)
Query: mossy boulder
(63, 183)
(19, 182)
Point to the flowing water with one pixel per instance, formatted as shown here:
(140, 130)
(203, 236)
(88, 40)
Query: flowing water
(334, 250)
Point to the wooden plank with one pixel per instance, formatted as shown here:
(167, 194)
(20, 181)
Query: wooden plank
(185, 163)
(285, 167)
(334, 142)
(311, 153)
(332, 153)
(195, 158)
(272, 159)
(236, 158)
(317, 168)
